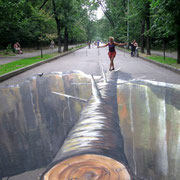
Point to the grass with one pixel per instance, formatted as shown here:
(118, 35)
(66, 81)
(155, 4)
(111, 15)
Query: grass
(168, 60)
(160, 59)
(5, 68)
(4, 53)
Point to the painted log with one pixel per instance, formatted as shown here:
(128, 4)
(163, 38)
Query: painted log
(94, 148)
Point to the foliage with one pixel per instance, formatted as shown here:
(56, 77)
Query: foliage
(165, 18)
(8, 48)
(21, 21)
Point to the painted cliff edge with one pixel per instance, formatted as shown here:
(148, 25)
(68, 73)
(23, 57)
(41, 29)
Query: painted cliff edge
(83, 127)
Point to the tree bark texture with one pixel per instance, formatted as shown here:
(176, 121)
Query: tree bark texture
(94, 148)
(178, 48)
(58, 26)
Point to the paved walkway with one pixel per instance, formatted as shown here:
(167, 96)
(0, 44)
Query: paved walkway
(88, 61)
(8, 59)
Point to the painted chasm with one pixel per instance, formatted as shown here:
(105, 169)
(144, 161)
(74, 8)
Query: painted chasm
(113, 127)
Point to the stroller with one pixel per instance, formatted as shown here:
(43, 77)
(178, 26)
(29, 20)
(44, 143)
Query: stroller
(134, 51)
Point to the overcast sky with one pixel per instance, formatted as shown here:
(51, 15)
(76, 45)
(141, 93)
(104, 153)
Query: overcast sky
(99, 13)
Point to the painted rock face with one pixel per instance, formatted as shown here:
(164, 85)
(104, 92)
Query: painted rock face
(35, 121)
(37, 116)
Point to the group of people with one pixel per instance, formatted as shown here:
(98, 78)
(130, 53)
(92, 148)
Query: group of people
(134, 48)
(95, 43)
(112, 52)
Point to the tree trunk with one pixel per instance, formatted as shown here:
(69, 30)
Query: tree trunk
(178, 49)
(41, 51)
(59, 35)
(142, 35)
(58, 26)
(106, 13)
(164, 48)
(66, 39)
(148, 28)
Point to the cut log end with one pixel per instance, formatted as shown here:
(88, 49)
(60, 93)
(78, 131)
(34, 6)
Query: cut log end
(88, 167)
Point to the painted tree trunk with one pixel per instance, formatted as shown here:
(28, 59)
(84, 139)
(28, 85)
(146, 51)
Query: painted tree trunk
(94, 148)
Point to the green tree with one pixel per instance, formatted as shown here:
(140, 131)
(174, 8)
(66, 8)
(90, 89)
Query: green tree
(22, 21)
(166, 21)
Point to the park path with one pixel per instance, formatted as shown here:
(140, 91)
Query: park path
(168, 54)
(89, 61)
(8, 59)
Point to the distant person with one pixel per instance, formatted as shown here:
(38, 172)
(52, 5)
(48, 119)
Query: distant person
(135, 44)
(92, 45)
(89, 44)
(134, 47)
(52, 45)
(17, 48)
(97, 43)
(112, 52)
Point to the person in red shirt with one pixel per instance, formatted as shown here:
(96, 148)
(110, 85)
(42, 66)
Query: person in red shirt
(112, 52)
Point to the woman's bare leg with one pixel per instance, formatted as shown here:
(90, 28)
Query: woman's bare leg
(112, 63)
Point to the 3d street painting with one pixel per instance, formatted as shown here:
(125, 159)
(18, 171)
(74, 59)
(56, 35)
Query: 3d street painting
(80, 127)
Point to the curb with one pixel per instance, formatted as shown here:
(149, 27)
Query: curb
(157, 63)
(21, 70)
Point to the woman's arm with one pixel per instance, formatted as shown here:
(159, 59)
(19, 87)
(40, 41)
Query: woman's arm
(120, 44)
(103, 46)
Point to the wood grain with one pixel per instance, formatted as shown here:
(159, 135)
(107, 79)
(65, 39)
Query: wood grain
(88, 167)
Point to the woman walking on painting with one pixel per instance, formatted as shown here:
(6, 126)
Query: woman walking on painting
(112, 52)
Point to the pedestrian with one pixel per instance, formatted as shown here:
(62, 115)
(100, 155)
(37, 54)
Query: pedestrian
(97, 43)
(134, 47)
(89, 44)
(52, 45)
(112, 52)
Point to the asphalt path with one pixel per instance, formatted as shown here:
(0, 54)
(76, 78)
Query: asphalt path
(90, 61)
